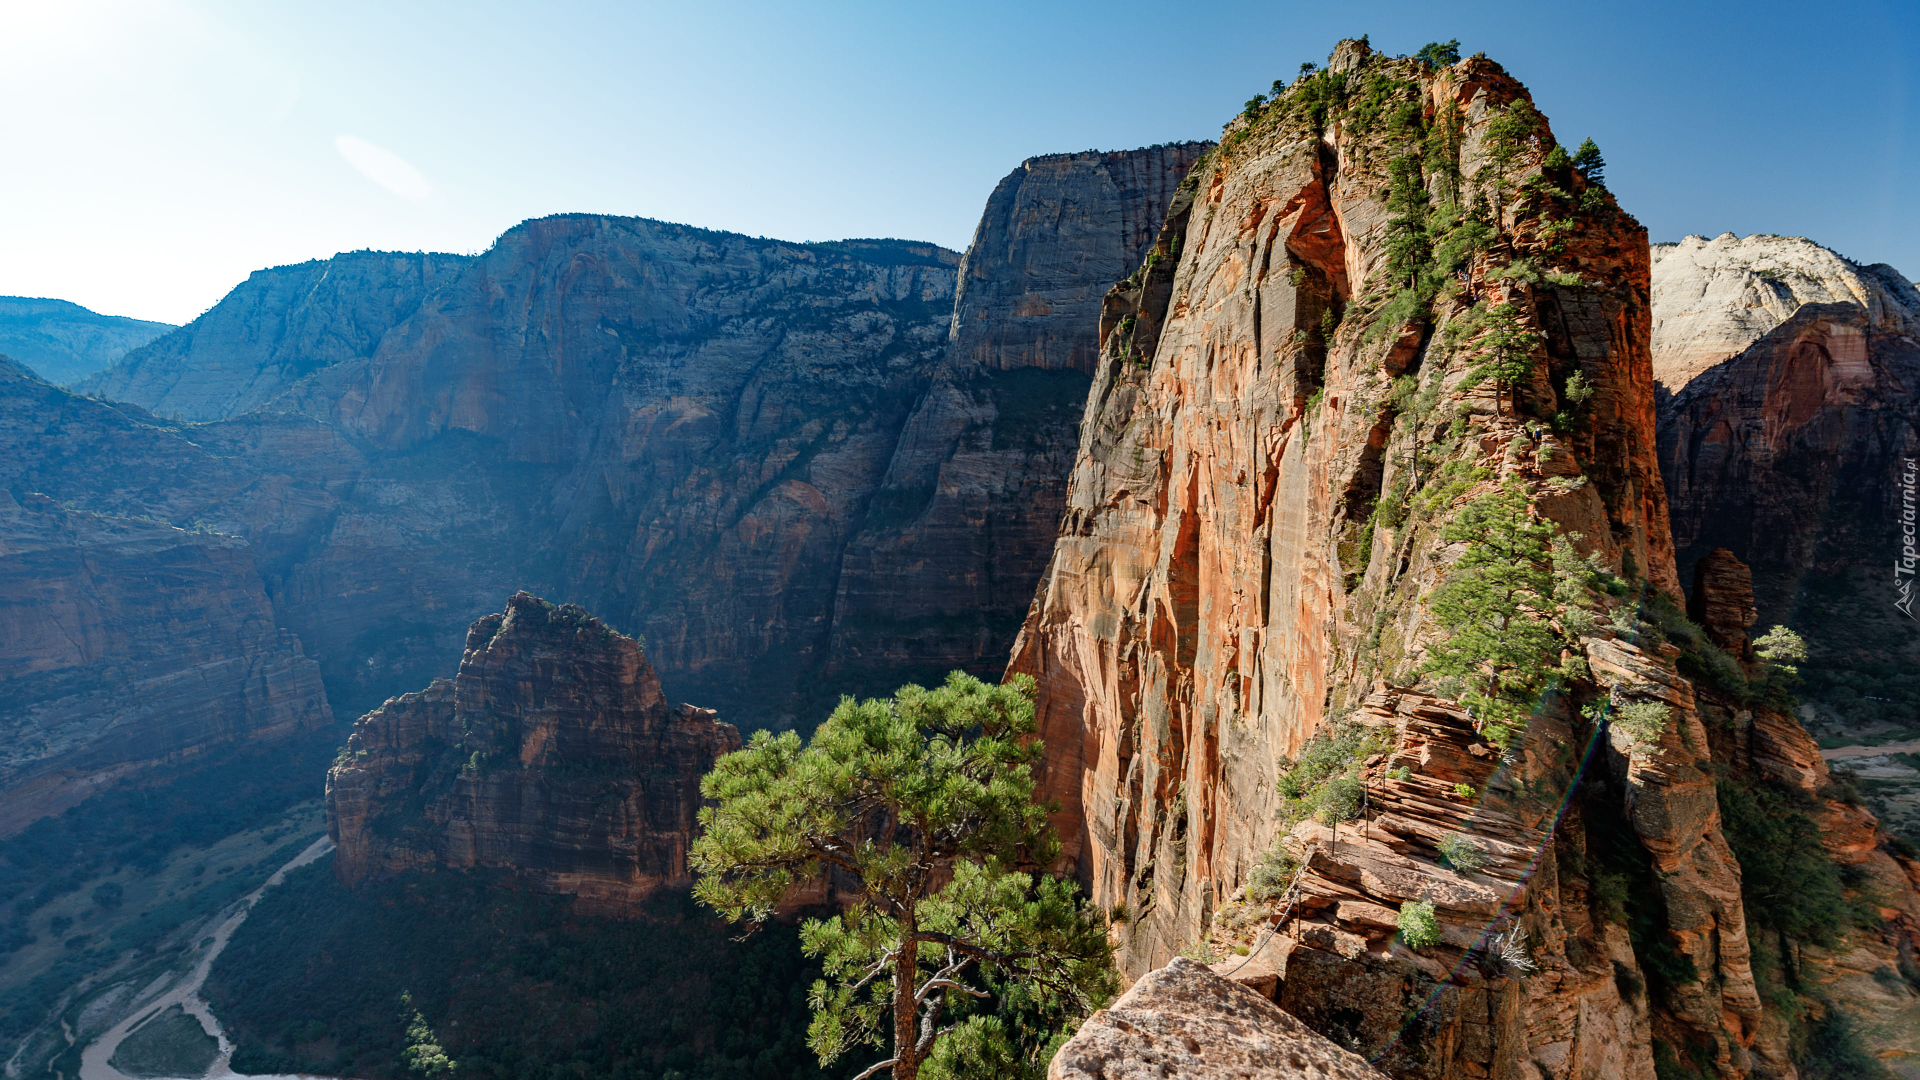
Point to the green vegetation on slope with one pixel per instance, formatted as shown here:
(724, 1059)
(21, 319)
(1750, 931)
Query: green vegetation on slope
(511, 986)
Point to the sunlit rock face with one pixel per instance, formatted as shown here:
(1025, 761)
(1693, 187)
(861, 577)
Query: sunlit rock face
(551, 755)
(1225, 590)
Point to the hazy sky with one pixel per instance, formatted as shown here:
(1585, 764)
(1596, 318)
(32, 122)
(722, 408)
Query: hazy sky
(154, 152)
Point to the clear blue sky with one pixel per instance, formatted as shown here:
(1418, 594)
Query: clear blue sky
(157, 151)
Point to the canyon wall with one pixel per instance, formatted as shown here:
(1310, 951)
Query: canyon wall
(551, 754)
(126, 644)
(1386, 301)
(762, 456)
(1791, 380)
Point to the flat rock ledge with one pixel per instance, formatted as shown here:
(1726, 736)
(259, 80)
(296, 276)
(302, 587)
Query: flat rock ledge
(1183, 1020)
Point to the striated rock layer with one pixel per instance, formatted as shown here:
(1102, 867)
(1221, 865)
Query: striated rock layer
(552, 754)
(126, 644)
(1256, 525)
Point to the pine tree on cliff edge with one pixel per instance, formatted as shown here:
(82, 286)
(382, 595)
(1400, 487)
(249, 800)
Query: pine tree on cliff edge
(899, 795)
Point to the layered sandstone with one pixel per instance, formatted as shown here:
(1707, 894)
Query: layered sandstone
(551, 754)
(127, 644)
(279, 325)
(963, 522)
(1255, 530)
(1712, 299)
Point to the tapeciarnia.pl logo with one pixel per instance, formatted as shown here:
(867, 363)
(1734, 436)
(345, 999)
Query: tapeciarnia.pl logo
(1903, 567)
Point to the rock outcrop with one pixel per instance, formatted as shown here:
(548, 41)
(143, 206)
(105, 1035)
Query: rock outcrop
(1284, 422)
(126, 644)
(1183, 1020)
(62, 341)
(273, 329)
(551, 755)
(945, 565)
(1791, 380)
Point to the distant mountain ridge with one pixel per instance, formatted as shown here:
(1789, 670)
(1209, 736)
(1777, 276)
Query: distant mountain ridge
(62, 341)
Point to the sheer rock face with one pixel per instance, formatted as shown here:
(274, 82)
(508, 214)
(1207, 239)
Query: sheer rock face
(551, 755)
(278, 326)
(1056, 234)
(1223, 591)
(1793, 382)
(964, 520)
(1183, 1020)
(126, 644)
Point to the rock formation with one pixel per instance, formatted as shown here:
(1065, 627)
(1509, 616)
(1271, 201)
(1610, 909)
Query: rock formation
(1386, 297)
(551, 755)
(963, 522)
(279, 325)
(1791, 381)
(1186, 1021)
(126, 644)
(62, 341)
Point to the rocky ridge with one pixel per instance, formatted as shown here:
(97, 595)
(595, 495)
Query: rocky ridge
(551, 755)
(964, 520)
(1275, 441)
(62, 341)
(281, 324)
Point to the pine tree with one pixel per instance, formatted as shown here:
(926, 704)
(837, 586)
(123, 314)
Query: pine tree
(1506, 350)
(1436, 54)
(1407, 243)
(1588, 163)
(897, 795)
(1494, 607)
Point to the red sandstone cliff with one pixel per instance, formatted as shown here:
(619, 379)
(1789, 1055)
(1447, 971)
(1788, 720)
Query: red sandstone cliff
(551, 754)
(1253, 535)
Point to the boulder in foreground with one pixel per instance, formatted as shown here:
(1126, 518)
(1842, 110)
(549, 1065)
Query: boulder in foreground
(1183, 1020)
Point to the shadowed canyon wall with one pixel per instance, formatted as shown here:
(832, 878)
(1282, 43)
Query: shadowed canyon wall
(964, 520)
(551, 754)
(1281, 427)
(762, 456)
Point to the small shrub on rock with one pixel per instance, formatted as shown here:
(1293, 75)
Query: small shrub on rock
(1418, 927)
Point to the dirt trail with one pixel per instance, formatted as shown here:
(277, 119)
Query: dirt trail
(95, 1058)
(1840, 753)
